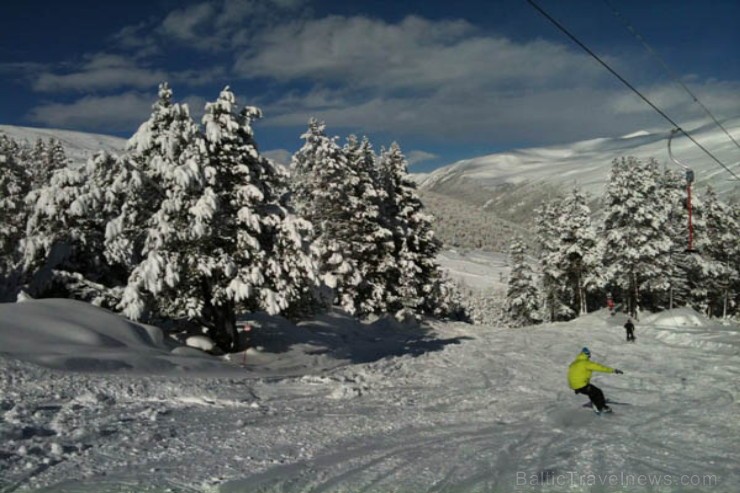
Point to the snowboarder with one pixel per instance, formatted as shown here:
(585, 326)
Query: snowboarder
(630, 330)
(579, 379)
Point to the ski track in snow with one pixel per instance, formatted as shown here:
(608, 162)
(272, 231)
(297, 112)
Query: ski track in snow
(465, 418)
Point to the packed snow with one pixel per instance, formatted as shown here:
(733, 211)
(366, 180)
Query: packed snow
(333, 404)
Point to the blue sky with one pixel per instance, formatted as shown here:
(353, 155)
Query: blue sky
(447, 80)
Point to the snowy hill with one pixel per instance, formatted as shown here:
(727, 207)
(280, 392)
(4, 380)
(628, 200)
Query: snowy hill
(332, 405)
(78, 145)
(537, 171)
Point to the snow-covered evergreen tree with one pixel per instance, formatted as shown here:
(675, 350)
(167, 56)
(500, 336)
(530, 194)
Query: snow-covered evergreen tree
(723, 247)
(324, 192)
(485, 307)
(14, 184)
(219, 239)
(64, 250)
(636, 240)
(419, 285)
(578, 255)
(44, 159)
(373, 246)
(522, 304)
(553, 279)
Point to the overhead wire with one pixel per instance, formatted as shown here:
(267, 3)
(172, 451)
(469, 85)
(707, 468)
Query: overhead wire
(630, 86)
(668, 69)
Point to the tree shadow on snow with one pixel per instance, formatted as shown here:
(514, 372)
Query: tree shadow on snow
(340, 336)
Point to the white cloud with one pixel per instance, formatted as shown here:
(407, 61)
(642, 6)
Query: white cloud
(416, 157)
(280, 156)
(104, 78)
(414, 54)
(22, 68)
(222, 24)
(444, 79)
(545, 116)
(109, 72)
(183, 23)
(108, 113)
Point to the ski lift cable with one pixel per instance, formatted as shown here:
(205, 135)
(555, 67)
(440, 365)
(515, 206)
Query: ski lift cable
(670, 151)
(668, 69)
(630, 86)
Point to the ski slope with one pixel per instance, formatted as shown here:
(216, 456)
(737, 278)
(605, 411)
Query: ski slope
(334, 405)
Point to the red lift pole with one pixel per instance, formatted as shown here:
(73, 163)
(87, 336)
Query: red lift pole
(689, 181)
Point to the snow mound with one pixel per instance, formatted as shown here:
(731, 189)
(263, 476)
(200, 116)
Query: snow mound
(678, 317)
(685, 327)
(203, 343)
(72, 335)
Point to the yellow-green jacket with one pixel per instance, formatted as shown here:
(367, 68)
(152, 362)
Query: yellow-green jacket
(579, 372)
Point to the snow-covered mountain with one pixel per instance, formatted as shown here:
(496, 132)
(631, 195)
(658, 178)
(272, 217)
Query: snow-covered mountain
(587, 164)
(78, 145)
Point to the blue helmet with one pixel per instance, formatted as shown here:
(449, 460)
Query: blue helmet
(586, 351)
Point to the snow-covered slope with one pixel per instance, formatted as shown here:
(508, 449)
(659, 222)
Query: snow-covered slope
(78, 145)
(332, 405)
(587, 163)
(72, 335)
(476, 269)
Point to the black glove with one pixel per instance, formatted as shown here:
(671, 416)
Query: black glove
(618, 372)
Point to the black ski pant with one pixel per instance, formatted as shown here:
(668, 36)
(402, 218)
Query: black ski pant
(594, 394)
(630, 334)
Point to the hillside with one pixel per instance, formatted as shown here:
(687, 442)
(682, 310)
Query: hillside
(466, 225)
(78, 145)
(513, 182)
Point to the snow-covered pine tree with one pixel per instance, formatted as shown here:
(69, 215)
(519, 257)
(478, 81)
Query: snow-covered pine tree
(419, 284)
(553, 280)
(522, 303)
(636, 240)
(14, 185)
(219, 239)
(486, 307)
(723, 247)
(64, 250)
(44, 159)
(168, 142)
(373, 247)
(324, 192)
(578, 255)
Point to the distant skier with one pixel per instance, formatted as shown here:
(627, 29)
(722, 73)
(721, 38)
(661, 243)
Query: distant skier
(579, 379)
(630, 327)
(610, 303)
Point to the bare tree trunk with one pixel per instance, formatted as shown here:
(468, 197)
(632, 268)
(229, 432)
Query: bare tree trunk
(582, 296)
(635, 294)
(220, 320)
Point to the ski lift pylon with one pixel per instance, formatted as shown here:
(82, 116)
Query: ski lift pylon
(689, 180)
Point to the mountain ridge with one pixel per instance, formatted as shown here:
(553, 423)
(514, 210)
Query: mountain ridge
(587, 163)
